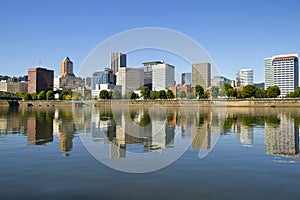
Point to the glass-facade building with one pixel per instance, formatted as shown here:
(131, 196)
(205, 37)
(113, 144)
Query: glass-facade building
(186, 78)
(102, 77)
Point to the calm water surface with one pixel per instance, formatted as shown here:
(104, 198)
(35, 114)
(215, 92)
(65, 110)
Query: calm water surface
(245, 153)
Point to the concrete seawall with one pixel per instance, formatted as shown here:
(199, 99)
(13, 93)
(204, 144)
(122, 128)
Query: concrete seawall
(165, 103)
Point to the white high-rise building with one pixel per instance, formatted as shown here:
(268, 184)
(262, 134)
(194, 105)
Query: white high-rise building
(163, 76)
(130, 79)
(282, 70)
(245, 77)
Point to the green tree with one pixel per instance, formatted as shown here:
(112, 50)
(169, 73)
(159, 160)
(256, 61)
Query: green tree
(170, 94)
(260, 93)
(214, 91)
(131, 95)
(134, 96)
(162, 94)
(104, 94)
(110, 94)
(181, 94)
(154, 95)
(204, 96)
(273, 91)
(199, 91)
(34, 96)
(27, 96)
(145, 92)
(248, 91)
(225, 88)
(42, 95)
(116, 94)
(230, 92)
(65, 95)
(297, 92)
(50, 95)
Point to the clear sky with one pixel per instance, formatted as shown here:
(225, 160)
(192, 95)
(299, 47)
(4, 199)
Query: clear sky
(236, 33)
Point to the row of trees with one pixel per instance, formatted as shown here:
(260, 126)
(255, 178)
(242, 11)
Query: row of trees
(294, 94)
(147, 94)
(249, 91)
(49, 95)
(37, 96)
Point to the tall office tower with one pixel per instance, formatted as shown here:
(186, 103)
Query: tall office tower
(245, 77)
(130, 79)
(282, 70)
(117, 60)
(285, 74)
(66, 68)
(186, 78)
(40, 79)
(268, 73)
(163, 75)
(201, 75)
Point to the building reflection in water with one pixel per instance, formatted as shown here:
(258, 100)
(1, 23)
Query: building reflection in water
(201, 131)
(133, 131)
(64, 126)
(144, 130)
(39, 128)
(245, 134)
(282, 136)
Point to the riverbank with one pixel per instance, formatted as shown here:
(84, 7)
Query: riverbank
(165, 103)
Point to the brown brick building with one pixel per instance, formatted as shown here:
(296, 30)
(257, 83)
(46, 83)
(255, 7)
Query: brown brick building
(40, 79)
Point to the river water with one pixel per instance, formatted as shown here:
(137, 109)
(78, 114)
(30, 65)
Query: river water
(149, 153)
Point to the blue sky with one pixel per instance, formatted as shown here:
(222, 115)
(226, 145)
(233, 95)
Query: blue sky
(237, 34)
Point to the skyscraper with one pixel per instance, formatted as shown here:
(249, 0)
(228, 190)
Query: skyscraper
(268, 73)
(130, 79)
(163, 76)
(117, 60)
(245, 77)
(40, 79)
(283, 72)
(66, 68)
(201, 75)
(186, 78)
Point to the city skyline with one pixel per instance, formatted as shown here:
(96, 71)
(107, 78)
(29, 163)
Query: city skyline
(238, 30)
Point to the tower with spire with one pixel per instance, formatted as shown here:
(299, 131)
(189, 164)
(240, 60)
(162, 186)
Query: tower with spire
(66, 68)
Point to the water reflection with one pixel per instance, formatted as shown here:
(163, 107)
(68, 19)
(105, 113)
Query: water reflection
(147, 130)
(282, 136)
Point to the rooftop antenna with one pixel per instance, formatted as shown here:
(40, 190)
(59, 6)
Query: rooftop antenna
(40, 62)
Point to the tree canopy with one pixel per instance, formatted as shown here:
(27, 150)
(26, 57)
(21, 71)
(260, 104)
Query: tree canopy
(273, 91)
(248, 91)
(104, 94)
(145, 92)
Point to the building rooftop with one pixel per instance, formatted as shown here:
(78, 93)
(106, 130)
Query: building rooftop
(285, 57)
(67, 59)
(153, 63)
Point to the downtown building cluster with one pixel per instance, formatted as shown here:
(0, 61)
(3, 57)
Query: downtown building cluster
(280, 70)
